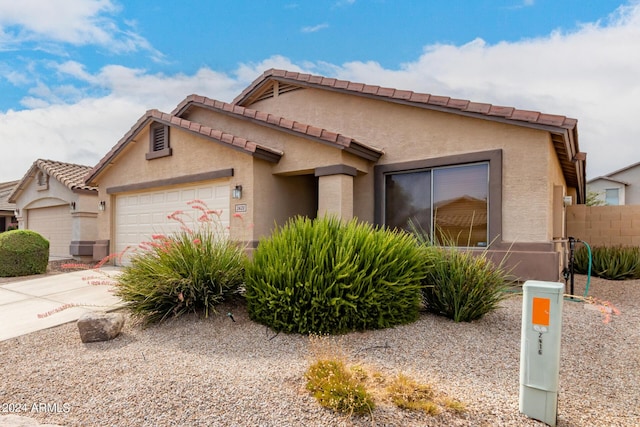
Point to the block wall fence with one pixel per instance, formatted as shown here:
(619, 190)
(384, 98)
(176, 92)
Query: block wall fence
(605, 225)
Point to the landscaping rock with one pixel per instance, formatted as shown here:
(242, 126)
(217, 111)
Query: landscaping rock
(20, 421)
(99, 326)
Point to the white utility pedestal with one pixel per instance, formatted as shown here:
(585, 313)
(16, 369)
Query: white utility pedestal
(540, 350)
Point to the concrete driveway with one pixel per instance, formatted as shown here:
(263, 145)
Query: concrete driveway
(21, 302)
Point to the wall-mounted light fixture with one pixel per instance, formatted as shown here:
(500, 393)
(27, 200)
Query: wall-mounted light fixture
(72, 206)
(236, 193)
(16, 212)
(102, 205)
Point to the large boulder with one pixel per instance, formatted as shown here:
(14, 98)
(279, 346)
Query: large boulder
(100, 326)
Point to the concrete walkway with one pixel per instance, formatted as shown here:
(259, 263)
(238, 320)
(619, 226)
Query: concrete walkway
(21, 302)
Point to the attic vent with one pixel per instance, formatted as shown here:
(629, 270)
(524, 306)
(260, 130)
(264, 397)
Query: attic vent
(268, 93)
(158, 141)
(276, 87)
(42, 181)
(284, 88)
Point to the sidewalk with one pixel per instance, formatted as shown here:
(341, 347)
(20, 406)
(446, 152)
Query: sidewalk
(21, 302)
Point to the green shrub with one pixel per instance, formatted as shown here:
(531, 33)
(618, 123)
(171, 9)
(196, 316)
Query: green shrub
(328, 277)
(187, 271)
(23, 252)
(334, 386)
(462, 285)
(609, 262)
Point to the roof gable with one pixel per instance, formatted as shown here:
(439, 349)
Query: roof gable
(317, 134)
(232, 141)
(263, 85)
(607, 178)
(68, 174)
(563, 130)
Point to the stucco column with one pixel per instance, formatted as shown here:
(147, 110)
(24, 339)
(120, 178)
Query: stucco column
(335, 191)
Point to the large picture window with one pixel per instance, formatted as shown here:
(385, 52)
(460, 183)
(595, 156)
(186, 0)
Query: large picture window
(455, 199)
(451, 202)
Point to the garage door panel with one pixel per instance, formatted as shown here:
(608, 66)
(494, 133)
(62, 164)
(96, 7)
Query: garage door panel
(54, 224)
(139, 216)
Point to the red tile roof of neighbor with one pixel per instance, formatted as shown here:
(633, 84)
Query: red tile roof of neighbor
(563, 130)
(267, 119)
(242, 144)
(69, 174)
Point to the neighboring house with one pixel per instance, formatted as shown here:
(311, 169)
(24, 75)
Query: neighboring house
(7, 210)
(621, 187)
(53, 200)
(297, 144)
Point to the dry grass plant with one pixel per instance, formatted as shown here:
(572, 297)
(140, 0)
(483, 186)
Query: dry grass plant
(345, 386)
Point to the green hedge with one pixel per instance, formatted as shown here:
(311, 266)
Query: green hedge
(326, 276)
(23, 252)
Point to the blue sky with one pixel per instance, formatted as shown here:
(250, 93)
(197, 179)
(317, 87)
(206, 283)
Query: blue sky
(75, 75)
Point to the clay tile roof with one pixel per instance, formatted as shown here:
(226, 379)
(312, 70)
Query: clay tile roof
(263, 118)
(454, 105)
(253, 148)
(70, 175)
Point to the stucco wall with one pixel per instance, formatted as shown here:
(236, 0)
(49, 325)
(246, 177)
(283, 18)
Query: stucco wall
(410, 133)
(278, 198)
(605, 225)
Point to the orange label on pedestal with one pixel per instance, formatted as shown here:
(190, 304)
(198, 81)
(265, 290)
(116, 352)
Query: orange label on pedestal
(541, 308)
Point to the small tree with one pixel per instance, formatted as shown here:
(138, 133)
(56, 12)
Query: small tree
(593, 199)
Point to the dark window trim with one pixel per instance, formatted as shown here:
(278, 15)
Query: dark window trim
(155, 152)
(494, 157)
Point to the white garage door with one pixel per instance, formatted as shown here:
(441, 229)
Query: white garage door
(140, 215)
(54, 223)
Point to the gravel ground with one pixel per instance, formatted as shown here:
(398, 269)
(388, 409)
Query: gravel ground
(216, 372)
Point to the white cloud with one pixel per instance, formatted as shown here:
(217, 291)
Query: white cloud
(315, 28)
(76, 22)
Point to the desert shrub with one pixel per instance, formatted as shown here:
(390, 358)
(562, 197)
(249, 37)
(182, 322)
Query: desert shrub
(609, 262)
(23, 252)
(462, 285)
(192, 270)
(326, 276)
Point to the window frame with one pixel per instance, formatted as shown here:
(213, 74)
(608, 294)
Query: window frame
(606, 196)
(166, 148)
(492, 157)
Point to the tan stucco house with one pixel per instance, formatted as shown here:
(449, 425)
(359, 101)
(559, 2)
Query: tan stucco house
(53, 200)
(298, 144)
